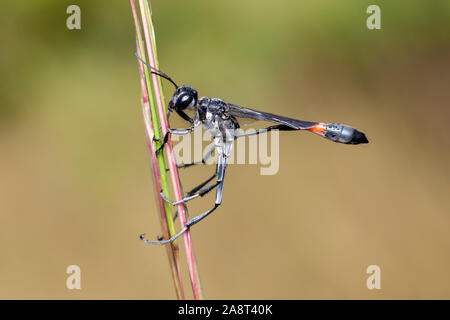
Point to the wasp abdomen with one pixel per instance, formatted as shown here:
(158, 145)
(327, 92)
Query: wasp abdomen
(339, 133)
(344, 134)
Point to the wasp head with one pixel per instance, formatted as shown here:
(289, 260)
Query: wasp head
(184, 97)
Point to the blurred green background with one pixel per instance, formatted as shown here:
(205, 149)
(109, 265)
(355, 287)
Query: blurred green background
(75, 184)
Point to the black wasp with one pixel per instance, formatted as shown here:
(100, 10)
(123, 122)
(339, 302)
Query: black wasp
(220, 119)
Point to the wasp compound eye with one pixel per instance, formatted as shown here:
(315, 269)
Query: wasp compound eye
(184, 101)
(185, 98)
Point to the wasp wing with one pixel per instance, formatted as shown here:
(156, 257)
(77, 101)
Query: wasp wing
(290, 123)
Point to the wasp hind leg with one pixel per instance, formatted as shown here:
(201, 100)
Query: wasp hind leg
(220, 173)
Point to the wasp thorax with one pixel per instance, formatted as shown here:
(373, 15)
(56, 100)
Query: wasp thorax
(218, 106)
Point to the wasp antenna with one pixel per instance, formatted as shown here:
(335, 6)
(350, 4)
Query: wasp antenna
(157, 72)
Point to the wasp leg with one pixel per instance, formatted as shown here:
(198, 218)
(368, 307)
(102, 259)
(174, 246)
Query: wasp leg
(221, 166)
(201, 193)
(194, 190)
(173, 131)
(259, 131)
(203, 161)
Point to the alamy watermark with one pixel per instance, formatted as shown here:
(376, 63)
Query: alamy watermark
(74, 20)
(374, 280)
(374, 20)
(74, 280)
(263, 148)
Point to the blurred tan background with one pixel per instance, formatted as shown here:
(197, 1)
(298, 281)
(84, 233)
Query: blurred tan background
(75, 184)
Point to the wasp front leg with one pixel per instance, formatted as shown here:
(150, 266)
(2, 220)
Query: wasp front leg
(172, 131)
